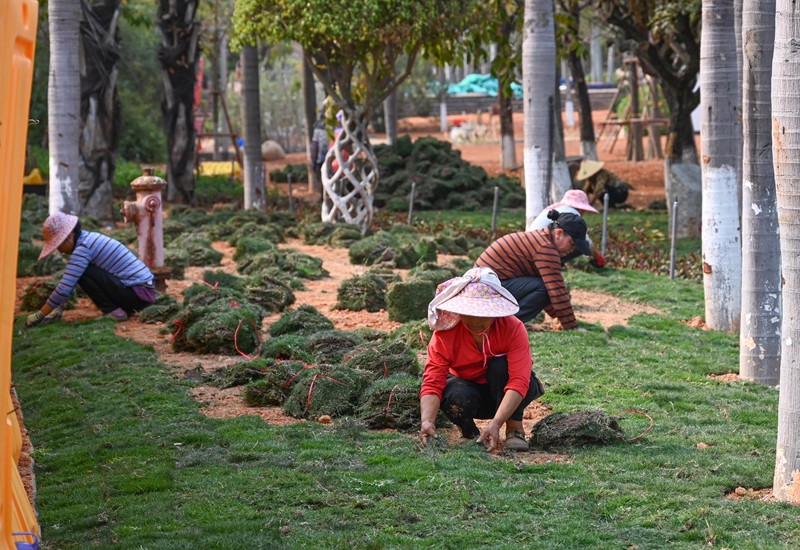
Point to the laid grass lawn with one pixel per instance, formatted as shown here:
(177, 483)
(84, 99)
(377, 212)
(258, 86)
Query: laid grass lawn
(124, 459)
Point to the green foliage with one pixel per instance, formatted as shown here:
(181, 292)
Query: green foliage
(161, 310)
(331, 390)
(37, 292)
(210, 190)
(287, 346)
(444, 181)
(305, 320)
(339, 40)
(330, 346)
(240, 374)
(125, 172)
(275, 383)
(391, 402)
(299, 173)
(408, 300)
(140, 89)
(362, 292)
(383, 359)
(271, 293)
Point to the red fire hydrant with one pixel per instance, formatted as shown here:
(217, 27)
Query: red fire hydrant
(146, 212)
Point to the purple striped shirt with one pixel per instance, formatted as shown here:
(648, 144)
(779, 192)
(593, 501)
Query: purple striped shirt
(107, 254)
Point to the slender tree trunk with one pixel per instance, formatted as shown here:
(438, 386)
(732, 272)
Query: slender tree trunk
(178, 54)
(588, 141)
(63, 105)
(508, 146)
(561, 181)
(310, 113)
(255, 193)
(786, 162)
(100, 109)
(722, 260)
(538, 70)
(390, 117)
(760, 334)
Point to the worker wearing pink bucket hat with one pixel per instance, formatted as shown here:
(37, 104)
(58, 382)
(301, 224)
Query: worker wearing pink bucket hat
(575, 202)
(113, 277)
(479, 362)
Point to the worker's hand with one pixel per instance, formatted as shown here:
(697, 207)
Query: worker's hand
(34, 319)
(53, 316)
(598, 260)
(427, 429)
(490, 437)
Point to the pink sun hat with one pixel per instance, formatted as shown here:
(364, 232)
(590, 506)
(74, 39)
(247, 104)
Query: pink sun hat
(477, 293)
(575, 198)
(56, 229)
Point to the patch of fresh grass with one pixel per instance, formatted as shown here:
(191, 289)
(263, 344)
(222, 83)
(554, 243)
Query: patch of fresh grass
(125, 460)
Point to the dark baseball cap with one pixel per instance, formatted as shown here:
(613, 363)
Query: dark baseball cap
(574, 226)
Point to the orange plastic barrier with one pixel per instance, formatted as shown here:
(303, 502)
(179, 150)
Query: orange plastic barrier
(18, 19)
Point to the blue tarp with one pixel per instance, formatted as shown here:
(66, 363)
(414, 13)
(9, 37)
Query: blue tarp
(481, 84)
(476, 84)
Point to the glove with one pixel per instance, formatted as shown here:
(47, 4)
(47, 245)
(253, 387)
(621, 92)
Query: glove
(34, 319)
(53, 317)
(598, 260)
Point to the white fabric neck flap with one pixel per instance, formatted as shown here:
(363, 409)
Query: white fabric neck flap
(445, 320)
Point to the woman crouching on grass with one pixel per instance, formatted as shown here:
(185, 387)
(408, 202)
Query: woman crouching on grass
(113, 277)
(479, 362)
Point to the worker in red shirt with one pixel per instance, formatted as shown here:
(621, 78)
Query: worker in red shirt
(479, 362)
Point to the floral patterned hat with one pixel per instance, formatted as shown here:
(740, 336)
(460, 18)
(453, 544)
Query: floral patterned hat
(56, 229)
(477, 293)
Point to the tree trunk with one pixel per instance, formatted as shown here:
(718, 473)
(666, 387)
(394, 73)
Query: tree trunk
(588, 141)
(737, 25)
(786, 162)
(562, 180)
(100, 109)
(178, 55)
(310, 113)
(255, 193)
(63, 105)
(508, 146)
(350, 174)
(722, 259)
(538, 70)
(680, 156)
(760, 334)
(390, 117)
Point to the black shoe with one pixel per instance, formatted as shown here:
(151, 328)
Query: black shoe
(470, 430)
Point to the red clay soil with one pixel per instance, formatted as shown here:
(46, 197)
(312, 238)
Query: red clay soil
(645, 176)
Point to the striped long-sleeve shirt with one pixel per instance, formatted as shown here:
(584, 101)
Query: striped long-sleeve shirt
(532, 254)
(107, 254)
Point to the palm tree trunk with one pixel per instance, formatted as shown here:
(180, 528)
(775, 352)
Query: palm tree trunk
(255, 193)
(722, 256)
(759, 336)
(538, 70)
(63, 105)
(786, 162)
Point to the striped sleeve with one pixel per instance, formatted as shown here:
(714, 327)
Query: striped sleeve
(77, 264)
(548, 264)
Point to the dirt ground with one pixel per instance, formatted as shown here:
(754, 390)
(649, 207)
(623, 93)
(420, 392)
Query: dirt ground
(645, 176)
